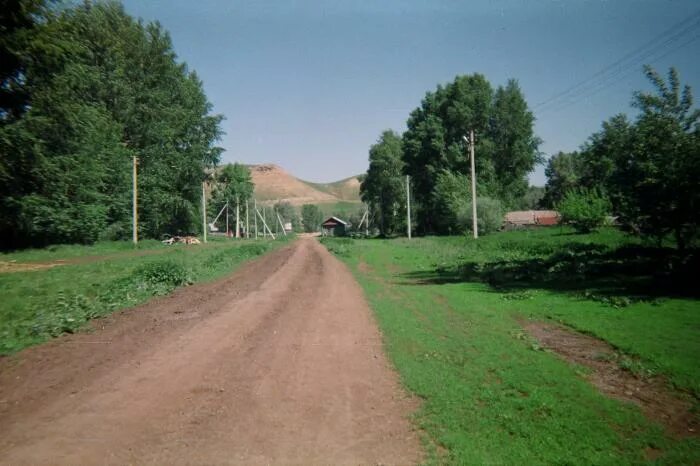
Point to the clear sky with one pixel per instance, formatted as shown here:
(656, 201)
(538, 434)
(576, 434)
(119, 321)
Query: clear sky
(310, 85)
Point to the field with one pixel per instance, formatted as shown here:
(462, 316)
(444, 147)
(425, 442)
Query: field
(47, 292)
(457, 318)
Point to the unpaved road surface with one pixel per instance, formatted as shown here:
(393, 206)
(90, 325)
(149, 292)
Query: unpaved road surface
(280, 363)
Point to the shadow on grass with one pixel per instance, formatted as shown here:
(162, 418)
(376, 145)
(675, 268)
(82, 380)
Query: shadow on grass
(632, 273)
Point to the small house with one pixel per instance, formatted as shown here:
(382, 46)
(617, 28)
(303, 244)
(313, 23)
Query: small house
(334, 226)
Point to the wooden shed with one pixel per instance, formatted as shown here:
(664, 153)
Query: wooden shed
(333, 226)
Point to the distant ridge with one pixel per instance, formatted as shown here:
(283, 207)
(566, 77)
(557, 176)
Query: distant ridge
(273, 183)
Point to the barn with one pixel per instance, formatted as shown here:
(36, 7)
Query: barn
(333, 226)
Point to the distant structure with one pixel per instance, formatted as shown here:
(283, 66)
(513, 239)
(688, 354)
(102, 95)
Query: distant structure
(528, 218)
(333, 226)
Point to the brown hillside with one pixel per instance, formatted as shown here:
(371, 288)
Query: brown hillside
(272, 183)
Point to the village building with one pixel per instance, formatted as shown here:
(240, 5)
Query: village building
(333, 226)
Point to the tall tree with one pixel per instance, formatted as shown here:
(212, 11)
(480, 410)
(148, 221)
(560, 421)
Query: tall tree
(506, 147)
(104, 88)
(563, 172)
(661, 177)
(383, 186)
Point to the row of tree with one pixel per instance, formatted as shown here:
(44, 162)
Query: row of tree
(83, 90)
(646, 170)
(433, 152)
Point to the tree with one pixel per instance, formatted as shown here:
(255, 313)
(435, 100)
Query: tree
(506, 148)
(288, 214)
(383, 186)
(661, 175)
(311, 217)
(584, 209)
(104, 88)
(563, 174)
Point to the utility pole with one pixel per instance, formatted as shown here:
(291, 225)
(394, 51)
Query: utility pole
(255, 218)
(238, 225)
(471, 141)
(247, 223)
(227, 230)
(204, 211)
(367, 220)
(408, 207)
(135, 223)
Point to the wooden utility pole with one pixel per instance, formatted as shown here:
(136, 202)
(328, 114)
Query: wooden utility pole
(408, 207)
(265, 227)
(204, 212)
(475, 227)
(255, 218)
(247, 223)
(238, 224)
(134, 200)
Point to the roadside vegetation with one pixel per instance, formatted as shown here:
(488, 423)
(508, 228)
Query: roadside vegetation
(452, 311)
(40, 304)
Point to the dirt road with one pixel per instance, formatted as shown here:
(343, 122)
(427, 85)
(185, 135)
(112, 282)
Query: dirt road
(279, 363)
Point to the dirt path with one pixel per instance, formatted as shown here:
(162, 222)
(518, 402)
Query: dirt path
(279, 363)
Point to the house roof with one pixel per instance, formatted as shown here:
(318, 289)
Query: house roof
(335, 221)
(533, 217)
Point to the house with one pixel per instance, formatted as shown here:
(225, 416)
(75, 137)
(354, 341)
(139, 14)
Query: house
(333, 226)
(524, 218)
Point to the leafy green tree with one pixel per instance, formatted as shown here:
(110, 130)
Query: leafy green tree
(311, 217)
(383, 186)
(661, 176)
(104, 88)
(288, 214)
(563, 174)
(506, 148)
(584, 209)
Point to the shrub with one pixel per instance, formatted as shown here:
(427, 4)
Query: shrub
(584, 209)
(489, 213)
(162, 277)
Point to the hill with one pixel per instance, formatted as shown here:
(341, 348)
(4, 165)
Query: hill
(273, 183)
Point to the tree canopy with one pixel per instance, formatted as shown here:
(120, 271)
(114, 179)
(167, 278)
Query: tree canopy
(102, 88)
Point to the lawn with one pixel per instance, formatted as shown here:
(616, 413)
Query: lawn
(449, 309)
(40, 304)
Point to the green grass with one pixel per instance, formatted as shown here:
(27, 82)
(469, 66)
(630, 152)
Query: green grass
(37, 305)
(447, 308)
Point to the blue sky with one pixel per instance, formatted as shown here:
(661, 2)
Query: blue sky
(311, 85)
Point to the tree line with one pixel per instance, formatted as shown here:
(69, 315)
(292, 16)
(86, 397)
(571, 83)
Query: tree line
(83, 90)
(645, 171)
(433, 153)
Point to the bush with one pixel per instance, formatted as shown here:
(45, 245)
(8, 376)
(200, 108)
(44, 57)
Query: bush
(162, 277)
(584, 209)
(489, 213)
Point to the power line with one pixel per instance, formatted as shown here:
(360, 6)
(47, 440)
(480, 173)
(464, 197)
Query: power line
(651, 47)
(596, 88)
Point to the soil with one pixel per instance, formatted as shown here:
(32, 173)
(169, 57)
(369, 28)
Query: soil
(280, 362)
(653, 395)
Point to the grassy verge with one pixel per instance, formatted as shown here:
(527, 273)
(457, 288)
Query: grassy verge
(448, 308)
(38, 305)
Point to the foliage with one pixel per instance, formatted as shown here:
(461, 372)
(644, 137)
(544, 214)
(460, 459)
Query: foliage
(647, 168)
(489, 213)
(453, 336)
(506, 147)
(383, 186)
(311, 218)
(584, 209)
(532, 199)
(104, 88)
(288, 214)
(563, 172)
